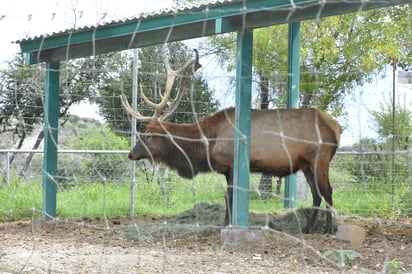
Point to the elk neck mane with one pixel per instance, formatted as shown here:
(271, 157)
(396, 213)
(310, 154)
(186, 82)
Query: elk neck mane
(190, 139)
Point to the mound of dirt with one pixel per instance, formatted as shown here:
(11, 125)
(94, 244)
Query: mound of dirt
(206, 219)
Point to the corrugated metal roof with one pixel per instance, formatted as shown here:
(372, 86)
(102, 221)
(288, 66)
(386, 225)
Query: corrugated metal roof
(193, 20)
(156, 13)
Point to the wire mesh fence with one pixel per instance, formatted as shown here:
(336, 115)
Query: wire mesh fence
(95, 197)
(365, 183)
(94, 209)
(119, 216)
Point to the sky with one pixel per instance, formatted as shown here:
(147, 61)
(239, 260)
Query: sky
(21, 19)
(27, 18)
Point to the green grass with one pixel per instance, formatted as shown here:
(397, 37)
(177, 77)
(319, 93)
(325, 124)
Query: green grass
(112, 199)
(22, 199)
(373, 199)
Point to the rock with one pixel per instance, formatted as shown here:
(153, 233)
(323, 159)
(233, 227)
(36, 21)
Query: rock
(352, 234)
(239, 236)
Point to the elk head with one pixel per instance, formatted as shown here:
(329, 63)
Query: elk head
(152, 142)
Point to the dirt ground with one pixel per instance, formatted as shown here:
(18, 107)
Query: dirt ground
(191, 243)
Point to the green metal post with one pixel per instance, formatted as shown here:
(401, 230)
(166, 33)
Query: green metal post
(51, 120)
(240, 210)
(292, 98)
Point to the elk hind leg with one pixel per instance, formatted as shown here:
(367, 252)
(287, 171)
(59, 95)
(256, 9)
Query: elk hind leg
(310, 178)
(327, 195)
(229, 198)
(320, 186)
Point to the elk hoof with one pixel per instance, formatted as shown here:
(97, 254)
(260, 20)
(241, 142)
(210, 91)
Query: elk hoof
(328, 229)
(306, 230)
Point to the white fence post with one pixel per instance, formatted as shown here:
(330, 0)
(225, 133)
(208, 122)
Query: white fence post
(8, 169)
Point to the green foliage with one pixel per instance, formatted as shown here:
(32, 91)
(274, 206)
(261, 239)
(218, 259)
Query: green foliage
(369, 164)
(93, 200)
(343, 51)
(152, 79)
(93, 197)
(20, 96)
(20, 200)
(22, 90)
(377, 169)
(100, 139)
(342, 257)
(69, 167)
(152, 199)
(394, 126)
(377, 184)
(371, 198)
(395, 267)
(337, 53)
(100, 166)
(380, 167)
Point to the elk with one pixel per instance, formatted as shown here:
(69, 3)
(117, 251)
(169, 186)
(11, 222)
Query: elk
(282, 141)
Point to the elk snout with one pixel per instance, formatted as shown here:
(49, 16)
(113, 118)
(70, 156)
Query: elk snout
(131, 156)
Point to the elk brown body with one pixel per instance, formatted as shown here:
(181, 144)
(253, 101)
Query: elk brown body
(282, 142)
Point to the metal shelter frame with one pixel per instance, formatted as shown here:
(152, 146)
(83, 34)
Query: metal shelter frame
(194, 20)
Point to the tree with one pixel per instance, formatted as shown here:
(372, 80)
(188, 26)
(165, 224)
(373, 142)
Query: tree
(382, 167)
(369, 164)
(337, 54)
(22, 95)
(341, 52)
(394, 126)
(395, 133)
(152, 78)
(102, 166)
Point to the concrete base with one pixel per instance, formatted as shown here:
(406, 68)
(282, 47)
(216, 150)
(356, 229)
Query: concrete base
(239, 236)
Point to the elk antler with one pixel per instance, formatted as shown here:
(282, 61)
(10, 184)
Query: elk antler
(171, 77)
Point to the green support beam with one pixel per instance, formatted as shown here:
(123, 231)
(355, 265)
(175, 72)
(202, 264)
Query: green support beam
(51, 120)
(187, 23)
(292, 99)
(240, 212)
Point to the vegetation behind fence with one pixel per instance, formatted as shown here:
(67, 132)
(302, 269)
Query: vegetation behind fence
(93, 183)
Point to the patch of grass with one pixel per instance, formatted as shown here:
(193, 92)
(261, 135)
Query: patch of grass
(342, 257)
(259, 204)
(112, 199)
(395, 267)
(20, 199)
(369, 199)
(93, 200)
(175, 195)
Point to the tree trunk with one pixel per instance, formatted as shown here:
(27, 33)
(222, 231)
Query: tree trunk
(306, 100)
(265, 184)
(278, 185)
(13, 156)
(31, 154)
(264, 91)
